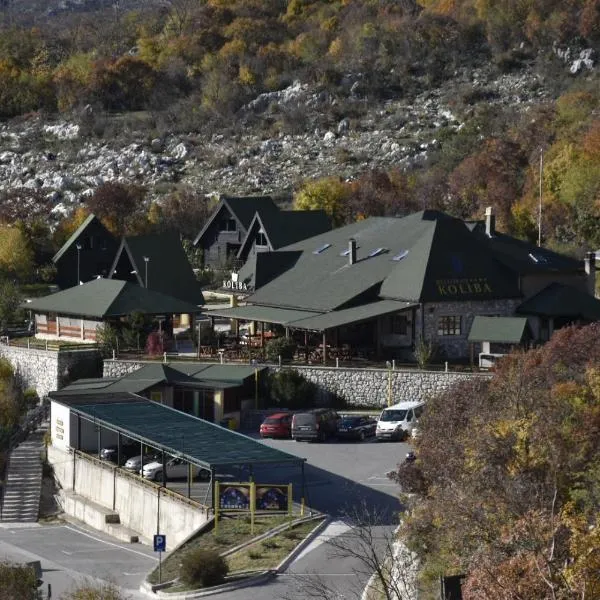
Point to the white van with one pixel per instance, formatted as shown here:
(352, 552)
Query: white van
(398, 421)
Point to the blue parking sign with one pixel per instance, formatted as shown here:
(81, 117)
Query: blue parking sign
(160, 543)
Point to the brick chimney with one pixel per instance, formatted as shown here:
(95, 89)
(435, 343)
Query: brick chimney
(351, 251)
(589, 263)
(490, 222)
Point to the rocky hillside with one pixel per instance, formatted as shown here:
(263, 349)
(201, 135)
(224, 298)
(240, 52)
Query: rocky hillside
(63, 159)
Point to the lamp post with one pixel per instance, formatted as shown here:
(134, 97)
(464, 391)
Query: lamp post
(78, 246)
(146, 260)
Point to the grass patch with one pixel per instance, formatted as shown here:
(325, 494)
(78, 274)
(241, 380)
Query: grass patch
(270, 552)
(232, 531)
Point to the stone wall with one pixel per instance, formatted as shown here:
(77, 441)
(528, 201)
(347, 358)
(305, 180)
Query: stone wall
(49, 370)
(358, 387)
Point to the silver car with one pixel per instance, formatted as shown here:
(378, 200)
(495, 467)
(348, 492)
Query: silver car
(134, 464)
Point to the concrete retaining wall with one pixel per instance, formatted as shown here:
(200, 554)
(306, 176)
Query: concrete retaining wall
(49, 370)
(143, 507)
(358, 387)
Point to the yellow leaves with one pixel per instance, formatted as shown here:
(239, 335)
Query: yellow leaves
(328, 194)
(336, 48)
(246, 76)
(16, 257)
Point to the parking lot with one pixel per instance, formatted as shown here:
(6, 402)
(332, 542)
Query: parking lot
(337, 474)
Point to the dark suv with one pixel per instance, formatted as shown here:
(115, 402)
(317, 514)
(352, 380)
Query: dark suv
(318, 424)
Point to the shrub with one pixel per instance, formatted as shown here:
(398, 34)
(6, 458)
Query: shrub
(203, 567)
(290, 390)
(17, 582)
(95, 591)
(30, 398)
(155, 344)
(280, 346)
(254, 554)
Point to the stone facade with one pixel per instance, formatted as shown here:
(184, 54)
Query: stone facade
(49, 370)
(457, 346)
(358, 387)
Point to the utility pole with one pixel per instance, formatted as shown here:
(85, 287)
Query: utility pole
(540, 198)
(78, 246)
(146, 260)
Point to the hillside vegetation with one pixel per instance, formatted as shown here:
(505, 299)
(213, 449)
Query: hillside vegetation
(516, 77)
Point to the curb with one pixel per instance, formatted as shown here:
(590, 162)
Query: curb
(315, 533)
(252, 580)
(218, 589)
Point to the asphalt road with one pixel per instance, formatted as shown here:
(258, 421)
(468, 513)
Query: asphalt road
(71, 554)
(338, 476)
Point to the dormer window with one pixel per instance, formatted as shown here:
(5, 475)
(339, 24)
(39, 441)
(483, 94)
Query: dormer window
(228, 225)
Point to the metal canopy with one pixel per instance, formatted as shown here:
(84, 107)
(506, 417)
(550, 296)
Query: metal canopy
(267, 314)
(503, 330)
(357, 314)
(179, 434)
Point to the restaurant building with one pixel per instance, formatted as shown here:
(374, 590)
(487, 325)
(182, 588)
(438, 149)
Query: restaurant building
(385, 285)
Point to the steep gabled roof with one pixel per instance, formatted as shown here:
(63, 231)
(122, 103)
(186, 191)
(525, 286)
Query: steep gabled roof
(242, 208)
(285, 227)
(427, 256)
(77, 234)
(169, 270)
(560, 300)
(103, 298)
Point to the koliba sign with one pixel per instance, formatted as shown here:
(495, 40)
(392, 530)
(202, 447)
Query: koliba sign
(463, 287)
(235, 285)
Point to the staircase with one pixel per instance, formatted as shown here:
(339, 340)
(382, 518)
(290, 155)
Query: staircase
(23, 485)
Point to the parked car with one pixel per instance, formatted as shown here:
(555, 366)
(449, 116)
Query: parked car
(176, 468)
(128, 449)
(316, 425)
(277, 425)
(134, 464)
(356, 428)
(398, 421)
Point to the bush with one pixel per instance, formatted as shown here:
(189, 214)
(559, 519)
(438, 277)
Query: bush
(17, 582)
(203, 567)
(280, 346)
(30, 398)
(95, 591)
(290, 390)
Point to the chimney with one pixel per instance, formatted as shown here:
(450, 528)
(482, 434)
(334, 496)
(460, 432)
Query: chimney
(351, 251)
(590, 270)
(490, 222)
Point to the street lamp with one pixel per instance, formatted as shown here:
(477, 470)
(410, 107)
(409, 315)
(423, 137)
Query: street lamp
(78, 246)
(146, 260)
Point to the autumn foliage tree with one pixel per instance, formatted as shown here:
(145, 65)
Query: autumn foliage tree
(509, 476)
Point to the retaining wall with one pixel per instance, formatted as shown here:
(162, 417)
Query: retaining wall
(142, 507)
(358, 387)
(49, 370)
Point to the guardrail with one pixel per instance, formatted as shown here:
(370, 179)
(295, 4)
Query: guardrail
(50, 345)
(139, 479)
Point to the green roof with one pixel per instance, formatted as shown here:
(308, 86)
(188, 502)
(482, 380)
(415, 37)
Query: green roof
(221, 373)
(285, 227)
(355, 314)
(177, 433)
(559, 300)
(75, 236)
(242, 208)
(503, 330)
(168, 267)
(267, 314)
(427, 256)
(102, 298)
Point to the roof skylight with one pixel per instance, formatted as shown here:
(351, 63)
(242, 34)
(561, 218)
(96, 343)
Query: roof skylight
(377, 252)
(538, 258)
(401, 255)
(345, 253)
(321, 248)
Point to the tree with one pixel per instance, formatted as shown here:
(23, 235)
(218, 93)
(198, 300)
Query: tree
(16, 256)
(289, 389)
(329, 194)
(120, 207)
(10, 300)
(18, 582)
(510, 491)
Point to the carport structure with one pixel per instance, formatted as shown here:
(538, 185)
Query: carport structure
(172, 433)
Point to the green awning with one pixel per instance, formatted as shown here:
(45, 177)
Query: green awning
(357, 314)
(179, 434)
(264, 314)
(501, 330)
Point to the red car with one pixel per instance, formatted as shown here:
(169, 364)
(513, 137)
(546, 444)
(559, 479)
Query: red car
(277, 425)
